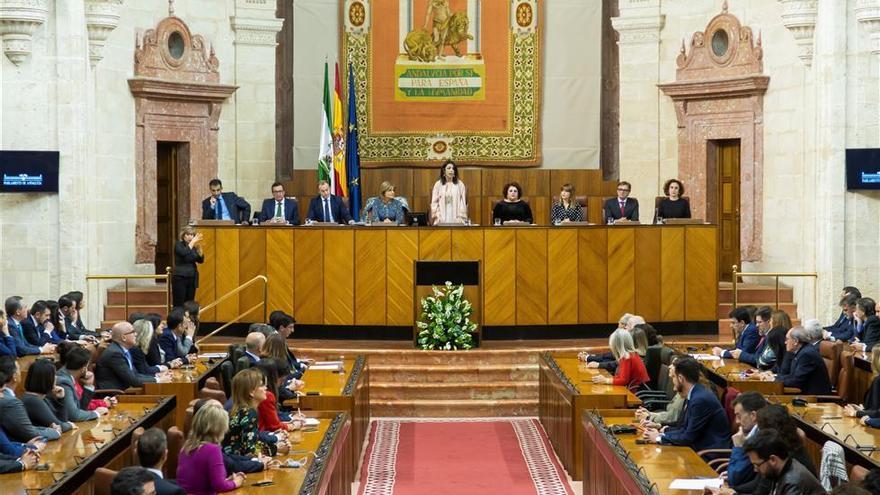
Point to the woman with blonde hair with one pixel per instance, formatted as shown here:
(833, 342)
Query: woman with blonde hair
(567, 209)
(187, 252)
(779, 318)
(385, 208)
(631, 371)
(200, 468)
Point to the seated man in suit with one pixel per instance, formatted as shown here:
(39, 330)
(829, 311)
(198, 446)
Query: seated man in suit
(846, 327)
(762, 324)
(16, 312)
(225, 205)
(152, 452)
(621, 207)
(279, 209)
(328, 208)
(253, 345)
(703, 423)
(747, 334)
(745, 407)
(177, 339)
(115, 369)
(807, 369)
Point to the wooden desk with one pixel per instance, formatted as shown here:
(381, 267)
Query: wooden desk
(728, 372)
(615, 464)
(185, 384)
(328, 470)
(74, 458)
(566, 390)
(862, 376)
(826, 421)
(348, 391)
(346, 276)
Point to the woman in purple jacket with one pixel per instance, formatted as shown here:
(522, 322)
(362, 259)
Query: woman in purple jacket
(200, 469)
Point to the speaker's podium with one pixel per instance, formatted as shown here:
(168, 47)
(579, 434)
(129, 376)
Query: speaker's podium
(431, 273)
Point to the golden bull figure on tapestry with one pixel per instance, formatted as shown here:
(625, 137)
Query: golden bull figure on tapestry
(441, 79)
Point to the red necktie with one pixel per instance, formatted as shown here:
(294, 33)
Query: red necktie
(622, 214)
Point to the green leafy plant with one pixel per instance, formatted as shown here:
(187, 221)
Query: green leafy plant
(445, 320)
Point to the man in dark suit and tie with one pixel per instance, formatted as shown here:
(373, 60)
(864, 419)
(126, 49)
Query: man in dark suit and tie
(807, 370)
(702, 423)
(621, 207)
(115, 369)
(327, 207)
(225, 205)
(30, 326)
(279, 209)
(253, 346)
(152, 451)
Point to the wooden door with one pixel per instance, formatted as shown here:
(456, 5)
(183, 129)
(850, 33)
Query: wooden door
(727, 156)
(166, 203)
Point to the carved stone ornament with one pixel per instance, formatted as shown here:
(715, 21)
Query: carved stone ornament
(18, 21)
(102, 17)
(868, 14)
(178, 98)
(799, 16)
(250, 31)
(638, 29)
(719, 94)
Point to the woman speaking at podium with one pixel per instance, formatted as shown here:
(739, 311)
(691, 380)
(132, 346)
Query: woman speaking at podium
(448, 198)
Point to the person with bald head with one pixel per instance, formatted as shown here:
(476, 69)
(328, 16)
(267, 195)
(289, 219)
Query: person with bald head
(253, 346)
(115, 368)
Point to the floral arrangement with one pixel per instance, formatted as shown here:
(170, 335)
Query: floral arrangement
(445, 320)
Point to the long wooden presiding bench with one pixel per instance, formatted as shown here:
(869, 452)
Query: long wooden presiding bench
(566, 390)
(826, 422)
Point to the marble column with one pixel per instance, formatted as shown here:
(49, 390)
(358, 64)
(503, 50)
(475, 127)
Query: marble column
(638, 26)
(830, 198)
(256, 28)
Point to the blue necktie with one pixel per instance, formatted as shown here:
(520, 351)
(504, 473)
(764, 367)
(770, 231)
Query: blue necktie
(326, 210)
(218, 209)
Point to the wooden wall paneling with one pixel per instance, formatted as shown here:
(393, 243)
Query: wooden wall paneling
(562, 277)
(473, 180)
(207, 274)
(540, 210)
(424, 179)
(420, 203)
(672, 273)
(339, 276)
(370, 275)
(531, 276)
(575, 177)
(647, 272)
(402, 178)
(476, 211)
(594, 210)
(227, 277)
(621, 279)
(435, 244)
(609, 190)
(252, 252)
(701, 273)
(402, 248)
(499, 277)
(308, 284)
(593, 275)
(594, 183)
(467, 244)
(279, 269)
(535, 182)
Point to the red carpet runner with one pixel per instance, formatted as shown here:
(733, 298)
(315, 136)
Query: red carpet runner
(511, 457)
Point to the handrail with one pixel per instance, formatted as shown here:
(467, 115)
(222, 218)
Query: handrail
(166, 277)
(776, 275)
(264, 304)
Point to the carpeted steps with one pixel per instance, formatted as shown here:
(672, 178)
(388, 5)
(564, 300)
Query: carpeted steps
(475, 383)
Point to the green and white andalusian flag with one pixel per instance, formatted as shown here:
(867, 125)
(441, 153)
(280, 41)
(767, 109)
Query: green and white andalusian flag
(325, 151)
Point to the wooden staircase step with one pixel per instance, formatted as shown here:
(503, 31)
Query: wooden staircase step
(152, 295)
(117, 313)
(789, 307)
(440, 408)
(754, 295)
(453, 373)
(449, 391)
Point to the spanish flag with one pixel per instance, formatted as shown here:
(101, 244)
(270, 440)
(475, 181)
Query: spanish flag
(340, 183)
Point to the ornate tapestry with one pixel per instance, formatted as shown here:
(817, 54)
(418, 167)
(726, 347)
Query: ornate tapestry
(438, 79)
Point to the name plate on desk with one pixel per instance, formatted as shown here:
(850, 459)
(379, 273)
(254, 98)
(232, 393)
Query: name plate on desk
(324, 224)
(213, 222)
(624, 221)
(683, 221)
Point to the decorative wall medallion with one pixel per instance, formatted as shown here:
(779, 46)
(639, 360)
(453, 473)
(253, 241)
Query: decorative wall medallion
(357, 17)
(524, 19)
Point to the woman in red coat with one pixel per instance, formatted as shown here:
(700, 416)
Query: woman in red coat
(631, 371)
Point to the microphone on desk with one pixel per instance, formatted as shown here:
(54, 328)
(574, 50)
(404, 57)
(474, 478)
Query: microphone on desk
(822, 428)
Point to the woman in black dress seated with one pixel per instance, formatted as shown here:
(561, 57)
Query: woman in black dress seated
(512, 209)
(673, 205)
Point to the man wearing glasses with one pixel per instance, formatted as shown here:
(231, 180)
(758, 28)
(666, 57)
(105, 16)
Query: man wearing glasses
(621, 207)
(115, 369)
(807, 372)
